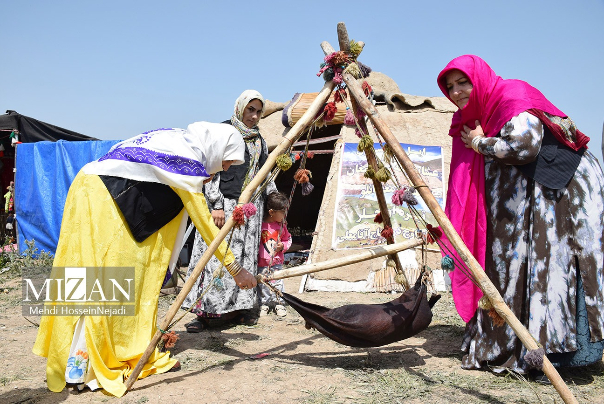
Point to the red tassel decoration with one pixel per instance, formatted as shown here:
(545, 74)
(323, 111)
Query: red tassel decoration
(330, 111)
(367, 88)
(238, 216)
(498, 321)
(169, 339)
(378, 218)
(340, 96)
(387, 233)
(302, 176)
(434, 233)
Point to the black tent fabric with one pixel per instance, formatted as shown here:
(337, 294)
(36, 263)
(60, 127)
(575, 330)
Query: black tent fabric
(31, 130)
(370, 325)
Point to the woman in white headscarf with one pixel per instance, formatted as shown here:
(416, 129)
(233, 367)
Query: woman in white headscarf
(126, 210)
(222, 193)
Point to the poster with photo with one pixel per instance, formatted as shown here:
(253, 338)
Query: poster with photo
(356, 202)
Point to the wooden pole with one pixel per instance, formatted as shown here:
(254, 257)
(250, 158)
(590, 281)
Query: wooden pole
(365, 255)
(371, 161)
(483, 281)
(343, 40)
(293, 135)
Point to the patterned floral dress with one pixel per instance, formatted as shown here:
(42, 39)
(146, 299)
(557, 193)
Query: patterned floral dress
(227, 297)
(544, 255)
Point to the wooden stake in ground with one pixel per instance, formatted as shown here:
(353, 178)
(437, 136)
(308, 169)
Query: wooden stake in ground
(245, 197)
(483, 281)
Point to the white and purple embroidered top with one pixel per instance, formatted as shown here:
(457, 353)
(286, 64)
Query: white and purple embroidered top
(182, 158)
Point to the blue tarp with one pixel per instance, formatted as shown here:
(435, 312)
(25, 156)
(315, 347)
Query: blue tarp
(45, 170)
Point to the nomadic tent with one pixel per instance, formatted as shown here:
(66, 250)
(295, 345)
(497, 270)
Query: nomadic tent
(315, 220)
(15, 127)
(47, 157)
(45, 171)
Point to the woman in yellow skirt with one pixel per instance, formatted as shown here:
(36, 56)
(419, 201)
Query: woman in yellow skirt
(127, 209)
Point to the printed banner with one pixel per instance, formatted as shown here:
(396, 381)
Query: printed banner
(356, 203)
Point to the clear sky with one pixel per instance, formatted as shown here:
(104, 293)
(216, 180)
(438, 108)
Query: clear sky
(113, 69)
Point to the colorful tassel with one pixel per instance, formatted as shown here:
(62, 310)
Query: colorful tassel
(310, 155)
(534, 358)
(369, 173)
(358, 132)
(365, 143)
(365, 70)
(249, 209)
(397, 197)
(354, 70)
(284, 162)
(328, 74)
(307, 188)
(447, 263)
(328, 58)
(409, 197)
(330, 111)
(367, 88)
(355, 48)
(218, 283)
(382, 175)
(388, 153)
(349, 118)
(238, 216)
(169, 339)
(433, 234)
(378, 218)
(339, 58)
(387, 233)
(337, 78)
(302, 175)
(217, 278)
(498, 321)
(340, 95)
(324, 67)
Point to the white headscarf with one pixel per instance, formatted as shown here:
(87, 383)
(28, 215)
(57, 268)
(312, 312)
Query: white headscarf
(176, 157)
(244, 99)
(237, 118)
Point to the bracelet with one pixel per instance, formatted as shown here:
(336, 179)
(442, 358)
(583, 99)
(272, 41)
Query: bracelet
(234, 268)
(475, 142)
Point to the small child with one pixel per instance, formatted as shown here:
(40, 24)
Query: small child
(274, 241)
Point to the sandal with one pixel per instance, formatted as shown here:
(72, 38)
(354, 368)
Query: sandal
(197, 325)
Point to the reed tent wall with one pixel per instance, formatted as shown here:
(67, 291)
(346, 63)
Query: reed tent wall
(414, 120)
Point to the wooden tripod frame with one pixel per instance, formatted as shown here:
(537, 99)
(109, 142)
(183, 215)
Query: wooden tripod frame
(357, 93)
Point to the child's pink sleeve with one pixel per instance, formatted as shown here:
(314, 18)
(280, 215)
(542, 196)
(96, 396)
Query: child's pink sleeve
(286, 239)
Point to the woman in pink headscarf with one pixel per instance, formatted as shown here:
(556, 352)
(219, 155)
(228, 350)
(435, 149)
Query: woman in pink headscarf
(527, 199)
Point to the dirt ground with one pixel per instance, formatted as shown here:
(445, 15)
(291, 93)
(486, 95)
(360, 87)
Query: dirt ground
(300, 366)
